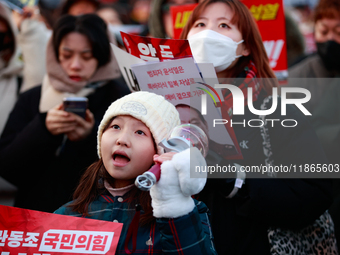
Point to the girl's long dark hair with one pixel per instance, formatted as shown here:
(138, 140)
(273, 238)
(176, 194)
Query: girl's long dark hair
(91, 185)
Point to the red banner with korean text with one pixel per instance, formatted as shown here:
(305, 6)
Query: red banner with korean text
(180, 15)
(28, 232)
(269, 15)
(155, 49)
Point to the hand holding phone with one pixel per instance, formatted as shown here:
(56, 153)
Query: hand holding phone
(77, 105)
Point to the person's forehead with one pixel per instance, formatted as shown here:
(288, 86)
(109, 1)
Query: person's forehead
(218, 11)
(329, 22)
(75, 41)
(129, 118)
(82, 7)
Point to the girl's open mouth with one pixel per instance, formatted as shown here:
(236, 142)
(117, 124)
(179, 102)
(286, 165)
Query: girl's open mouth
(120, 158)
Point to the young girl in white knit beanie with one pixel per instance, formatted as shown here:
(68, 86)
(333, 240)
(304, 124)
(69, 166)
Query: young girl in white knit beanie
(166, 220)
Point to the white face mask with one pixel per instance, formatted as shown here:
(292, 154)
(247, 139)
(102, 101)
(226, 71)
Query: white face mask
(209, 46)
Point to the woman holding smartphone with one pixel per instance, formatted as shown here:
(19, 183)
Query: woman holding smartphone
(44, 149)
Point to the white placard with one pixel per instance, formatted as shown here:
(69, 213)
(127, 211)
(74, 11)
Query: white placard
(170, 79)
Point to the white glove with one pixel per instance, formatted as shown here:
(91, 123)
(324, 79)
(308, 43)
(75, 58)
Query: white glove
(171, 195)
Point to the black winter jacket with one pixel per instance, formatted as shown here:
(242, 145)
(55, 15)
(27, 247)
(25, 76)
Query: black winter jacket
(29, 155)
(240, 224)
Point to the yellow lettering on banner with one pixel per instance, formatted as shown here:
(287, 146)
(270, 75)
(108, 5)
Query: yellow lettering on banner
(256, 11)
(182, 20)
(28, 2)
(270, 11)
(264, 12)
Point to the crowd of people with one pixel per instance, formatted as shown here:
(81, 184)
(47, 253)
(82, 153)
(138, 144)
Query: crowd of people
(56, 161)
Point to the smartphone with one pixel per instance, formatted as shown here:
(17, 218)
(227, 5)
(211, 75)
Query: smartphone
(77, 105)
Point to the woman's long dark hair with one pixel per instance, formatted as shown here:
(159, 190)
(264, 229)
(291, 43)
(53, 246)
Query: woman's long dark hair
(89, 25)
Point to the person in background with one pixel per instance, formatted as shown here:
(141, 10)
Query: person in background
(10, 65)
(49, 11)
(42, 143)
(320, 74)
(160, 20)
(223, 32)
(117, 19)
(10, 82)
(78, 7)
(326, 122)
(34, 33)
(111, 14)
(302, 13)
(326, 62)
(294, 40)
(164, 220)
(140, 11)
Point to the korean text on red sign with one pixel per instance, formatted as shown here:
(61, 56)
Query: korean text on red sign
(28, 232)
(269, 16)
(155, 49)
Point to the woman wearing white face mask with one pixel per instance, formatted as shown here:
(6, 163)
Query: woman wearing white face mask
(223, 32)
(226, 39)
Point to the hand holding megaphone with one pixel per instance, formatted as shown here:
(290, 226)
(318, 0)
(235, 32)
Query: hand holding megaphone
(181, 138)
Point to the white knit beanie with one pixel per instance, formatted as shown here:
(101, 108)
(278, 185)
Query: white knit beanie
(159, 115)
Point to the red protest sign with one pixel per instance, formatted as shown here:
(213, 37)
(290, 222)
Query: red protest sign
(27, 232)
(180, 15)
(270, 19)
(155, 49)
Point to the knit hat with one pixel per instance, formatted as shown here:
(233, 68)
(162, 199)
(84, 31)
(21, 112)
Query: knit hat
(159, 115)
